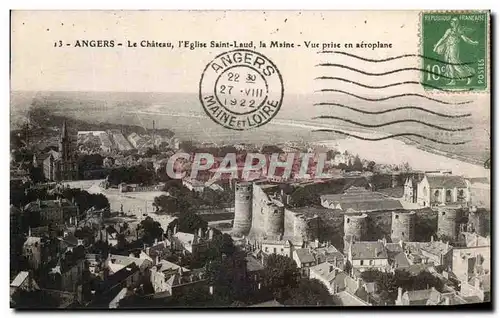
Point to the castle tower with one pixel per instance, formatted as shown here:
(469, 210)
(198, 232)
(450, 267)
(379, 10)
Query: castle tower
(403, 226)
(300, 226)
(448, 222)
(355, 226)
(242, 208)
(477, 222)
(275, 221)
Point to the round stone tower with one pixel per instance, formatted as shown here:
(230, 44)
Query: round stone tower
(403, 226)
(300, 226)
(448, 222)
(242, 208)
(275, 221)
(355, 226)
(477, 222)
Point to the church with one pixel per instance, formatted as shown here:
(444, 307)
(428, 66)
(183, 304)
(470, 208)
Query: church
(59, 165)
(435, 189)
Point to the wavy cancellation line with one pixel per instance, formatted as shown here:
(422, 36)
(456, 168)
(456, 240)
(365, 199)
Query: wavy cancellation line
(392, 97)
(392, 110)
(390, 85)
(391, 123)
(393, 71)
(393, 58)
(390, 136)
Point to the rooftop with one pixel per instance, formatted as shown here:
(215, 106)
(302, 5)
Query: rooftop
(368, 250)
(436, 247)
(446, 181)
(19, 279)
(347, 299)
(305, 256)
(270, 303)
(360, 199)
(327, 271)
(253, 264)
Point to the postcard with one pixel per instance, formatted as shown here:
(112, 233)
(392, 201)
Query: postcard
(200, 159)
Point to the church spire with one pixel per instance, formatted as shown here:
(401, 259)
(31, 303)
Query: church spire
(64, 132)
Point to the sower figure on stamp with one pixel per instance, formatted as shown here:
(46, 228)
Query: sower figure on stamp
(448, 47)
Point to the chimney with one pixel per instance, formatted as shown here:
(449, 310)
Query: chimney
(400, 293)
(131, 255)
(432, 238)
(147, 250)
(29, 231)
(156, 241)
(157, 258)
(175, 229)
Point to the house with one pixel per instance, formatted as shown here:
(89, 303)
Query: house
(22, 281)
(437, 252)
(32, 251)
(254, 271)
(282, 246)
(368, 255)
(443, 189)
(332, 277)
(477, 288)
(428, 297)
(304, 259)
(195, 244)
(172, 282)
(52, 211)
(345, 298)
(66, 271)
(193, 185)
(110, 291)
(162, 272)
(470, 262)
(115, 263)
(329, 253)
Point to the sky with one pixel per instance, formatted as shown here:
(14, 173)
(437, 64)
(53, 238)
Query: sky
(38, 65)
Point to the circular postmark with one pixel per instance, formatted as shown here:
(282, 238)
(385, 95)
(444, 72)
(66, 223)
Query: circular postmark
(241, 89)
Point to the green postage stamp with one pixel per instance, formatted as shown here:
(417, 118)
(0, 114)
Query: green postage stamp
(454, 48)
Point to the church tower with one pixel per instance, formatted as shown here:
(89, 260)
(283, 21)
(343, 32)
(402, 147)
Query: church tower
(65, 144)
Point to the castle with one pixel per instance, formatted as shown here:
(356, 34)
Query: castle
(261, 213)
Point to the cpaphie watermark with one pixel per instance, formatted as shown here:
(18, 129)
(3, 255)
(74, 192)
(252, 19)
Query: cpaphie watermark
(248, 167)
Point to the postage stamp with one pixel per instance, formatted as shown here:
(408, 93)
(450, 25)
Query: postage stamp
(241, 89)
(455, 50)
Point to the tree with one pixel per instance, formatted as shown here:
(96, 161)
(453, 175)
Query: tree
(165, 203)
(371, 166)
(281, 272)
(309, 292)
(221, 245)
(190, 222)
(357, 165)
(150, 230)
